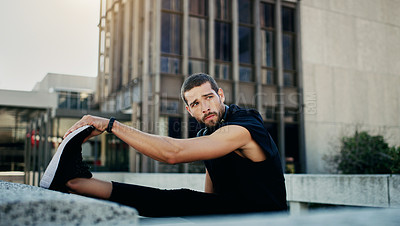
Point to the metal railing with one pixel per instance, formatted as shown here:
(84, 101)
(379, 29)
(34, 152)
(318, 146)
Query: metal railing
(38, 147)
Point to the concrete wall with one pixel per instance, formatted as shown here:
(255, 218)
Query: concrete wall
(351, 190)
(351, 55)
(192, 181)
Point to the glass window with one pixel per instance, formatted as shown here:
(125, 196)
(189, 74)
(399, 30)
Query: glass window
(245, 45)
(197, 37)
(223, 41)
(74, 96)
(267, 77)
(245, 11)
(85, 100)
(245, 74)
(62, 100)
(288, 51)
(267, 15)
(287, 19)
(196, 66)
(169, 107)
(171, 33)
(170, 65)
(288, 79)
(267, 48)
(223, 9)
(222, 71)
(198, 7)
(174, 5)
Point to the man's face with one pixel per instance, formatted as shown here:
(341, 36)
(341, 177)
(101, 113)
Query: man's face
(205, 105)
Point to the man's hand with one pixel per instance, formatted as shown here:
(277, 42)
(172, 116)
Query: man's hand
(100, 125)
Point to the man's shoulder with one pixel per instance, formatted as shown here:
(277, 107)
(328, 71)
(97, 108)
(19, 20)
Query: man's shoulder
(238, 113)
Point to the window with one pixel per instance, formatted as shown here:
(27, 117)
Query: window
(63, 99)
(267, 43)
(196, 66)
(198, 35)
(288, 46)
(198, 7)
(222, 71)
(169, 107)
(223, 39)
(223, 9)
(170, 65)
(246, 45)
(74, 100)
(171, 33)
(174, 5)
(171, 37)
(245, 11)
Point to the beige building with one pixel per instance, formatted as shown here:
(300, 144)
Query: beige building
(315, 70)
(351, 72)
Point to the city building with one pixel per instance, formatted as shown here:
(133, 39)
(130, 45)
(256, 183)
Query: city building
(315, 70)
(53, 105)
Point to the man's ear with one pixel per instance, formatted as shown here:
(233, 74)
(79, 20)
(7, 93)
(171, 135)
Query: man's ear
(221, 95)
(187, 108)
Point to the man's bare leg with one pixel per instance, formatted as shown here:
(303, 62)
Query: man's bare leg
(90, 187)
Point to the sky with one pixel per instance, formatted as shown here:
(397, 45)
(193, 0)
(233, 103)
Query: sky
(47, 36)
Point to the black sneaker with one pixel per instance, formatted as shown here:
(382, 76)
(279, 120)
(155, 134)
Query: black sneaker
(66, 163)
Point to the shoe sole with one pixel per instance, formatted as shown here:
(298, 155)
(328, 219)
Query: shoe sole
(51, 169)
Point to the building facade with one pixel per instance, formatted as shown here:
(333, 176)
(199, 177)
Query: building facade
(251, 48)
(315, 70)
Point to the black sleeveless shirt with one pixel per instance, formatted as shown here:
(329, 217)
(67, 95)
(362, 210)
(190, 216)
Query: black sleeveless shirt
(260, 183)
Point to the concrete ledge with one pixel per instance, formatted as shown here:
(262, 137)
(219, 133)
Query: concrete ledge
(352, 190)
(194, 181)
(28, 205)
(394, 190)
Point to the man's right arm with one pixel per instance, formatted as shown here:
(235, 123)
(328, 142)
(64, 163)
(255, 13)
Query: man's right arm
(171, 150)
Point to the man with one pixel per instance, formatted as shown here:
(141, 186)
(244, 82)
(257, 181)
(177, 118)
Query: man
(243, 170)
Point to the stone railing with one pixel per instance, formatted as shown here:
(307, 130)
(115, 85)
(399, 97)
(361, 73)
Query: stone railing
(22, 204)
(349, 190)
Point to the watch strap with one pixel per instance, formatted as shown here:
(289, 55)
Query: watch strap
(110, 125)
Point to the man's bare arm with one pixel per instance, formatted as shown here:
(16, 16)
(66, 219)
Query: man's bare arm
(171, 150)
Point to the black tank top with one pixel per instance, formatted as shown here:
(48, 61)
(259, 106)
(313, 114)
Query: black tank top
(261, 183)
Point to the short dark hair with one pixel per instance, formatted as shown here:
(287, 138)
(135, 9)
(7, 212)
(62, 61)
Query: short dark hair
(196, 80)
